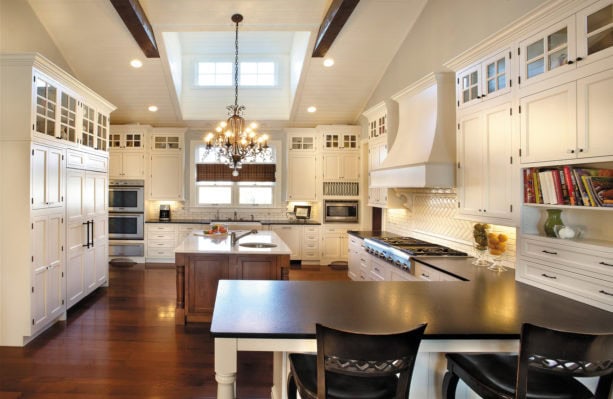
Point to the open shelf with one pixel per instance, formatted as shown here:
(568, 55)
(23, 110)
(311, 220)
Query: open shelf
(573, 207)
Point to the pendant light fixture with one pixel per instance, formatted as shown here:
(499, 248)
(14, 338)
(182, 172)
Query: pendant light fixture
(233, 141)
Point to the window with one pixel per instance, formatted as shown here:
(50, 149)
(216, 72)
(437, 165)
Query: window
(207, 191)
(263, 74)
(215, 74)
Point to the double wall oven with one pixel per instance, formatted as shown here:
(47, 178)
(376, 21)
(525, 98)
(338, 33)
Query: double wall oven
(126, 217)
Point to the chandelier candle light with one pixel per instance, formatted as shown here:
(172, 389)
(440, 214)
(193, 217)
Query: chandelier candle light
(233, 141)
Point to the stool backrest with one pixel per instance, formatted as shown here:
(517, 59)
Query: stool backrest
(367, 355)
(565, 353)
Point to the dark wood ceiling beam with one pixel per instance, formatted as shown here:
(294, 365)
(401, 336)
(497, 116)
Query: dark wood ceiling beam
(333, 22)
(136, 21)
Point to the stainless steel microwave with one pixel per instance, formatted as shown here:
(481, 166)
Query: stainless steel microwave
(341, 211)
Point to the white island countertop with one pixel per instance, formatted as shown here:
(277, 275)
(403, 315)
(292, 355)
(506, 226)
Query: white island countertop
(197, 242)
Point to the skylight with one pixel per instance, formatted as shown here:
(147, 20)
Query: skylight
(261, 74)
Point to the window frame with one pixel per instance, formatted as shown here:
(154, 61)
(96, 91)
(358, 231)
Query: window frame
(274, 60)
(277, 147)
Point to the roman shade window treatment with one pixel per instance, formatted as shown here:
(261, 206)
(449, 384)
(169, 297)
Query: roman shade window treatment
(249, 173)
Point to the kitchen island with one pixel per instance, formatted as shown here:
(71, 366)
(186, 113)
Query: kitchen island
(483, 314)
(202, 260)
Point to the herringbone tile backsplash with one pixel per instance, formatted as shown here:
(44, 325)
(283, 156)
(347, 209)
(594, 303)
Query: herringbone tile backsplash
(432, 217)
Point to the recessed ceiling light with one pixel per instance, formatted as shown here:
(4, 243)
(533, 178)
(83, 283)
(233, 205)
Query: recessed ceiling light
(328, 62)
(153, 108)
(311, 109)
(136, 63)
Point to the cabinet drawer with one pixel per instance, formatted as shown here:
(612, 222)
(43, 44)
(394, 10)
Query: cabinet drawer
(427, 273)
(589, 261)
(597, 289)
(98, 163)
(160, 243)
(160, 252)
(310, 245)
(311, 237)
(379, 272)
(161, 235)
(311, 229)
(310, 254)
(154, 228)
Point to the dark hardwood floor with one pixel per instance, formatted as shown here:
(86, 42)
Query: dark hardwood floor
(121, 342)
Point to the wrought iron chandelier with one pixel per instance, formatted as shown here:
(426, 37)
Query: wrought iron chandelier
(233, 141)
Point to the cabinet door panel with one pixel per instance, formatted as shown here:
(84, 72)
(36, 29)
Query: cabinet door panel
(133, 165)
(497, 170)
(350, 167)
(166, 177)
(115, 165)
(54, 177)
(75, 186)
(254, 268)
(203, 275)
(471, 164)
(101, 196)
(595, 115)
(548, 124)
(302, 181)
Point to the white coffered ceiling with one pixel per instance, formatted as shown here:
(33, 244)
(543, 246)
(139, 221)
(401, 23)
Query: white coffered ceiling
(98, 47)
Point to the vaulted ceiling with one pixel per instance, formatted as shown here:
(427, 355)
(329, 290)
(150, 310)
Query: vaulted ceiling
(98, 47)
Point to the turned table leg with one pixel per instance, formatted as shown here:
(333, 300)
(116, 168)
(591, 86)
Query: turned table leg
(225, 367)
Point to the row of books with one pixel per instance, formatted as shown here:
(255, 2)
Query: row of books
(568, 185)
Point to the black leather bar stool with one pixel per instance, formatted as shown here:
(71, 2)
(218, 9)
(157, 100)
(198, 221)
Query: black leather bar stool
(355, 366)
(546, 366)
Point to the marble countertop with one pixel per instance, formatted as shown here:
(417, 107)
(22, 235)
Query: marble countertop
(197, 242)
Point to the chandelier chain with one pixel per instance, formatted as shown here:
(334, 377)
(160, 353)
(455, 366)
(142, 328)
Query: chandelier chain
(236, 67)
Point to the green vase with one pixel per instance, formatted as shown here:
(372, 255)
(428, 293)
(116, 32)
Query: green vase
(554, 217)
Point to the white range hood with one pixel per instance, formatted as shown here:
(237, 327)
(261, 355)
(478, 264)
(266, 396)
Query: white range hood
(423, 153)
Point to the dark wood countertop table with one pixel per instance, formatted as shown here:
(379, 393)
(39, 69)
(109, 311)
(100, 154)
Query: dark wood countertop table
(484, 313)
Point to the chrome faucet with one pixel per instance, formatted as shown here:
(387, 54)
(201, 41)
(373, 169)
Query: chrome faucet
(217, 214)
(234, 239)
(234, 215)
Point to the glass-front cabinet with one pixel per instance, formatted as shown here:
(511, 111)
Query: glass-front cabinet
(595, 32)
(487, 79)
(46, 106)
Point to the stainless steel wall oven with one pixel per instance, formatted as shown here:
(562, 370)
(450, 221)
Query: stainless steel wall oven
(126, 210)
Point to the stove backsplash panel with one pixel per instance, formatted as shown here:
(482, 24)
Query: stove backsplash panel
(433, 218)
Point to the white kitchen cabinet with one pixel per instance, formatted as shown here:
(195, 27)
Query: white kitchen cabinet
(47, 177)
(354, 257)
(579, 114)
(48, 286)
(167, 141)
(582, 270)
(127, 165)
(489, 78)
(302, 176)
(341, 166)
(309, 247)
(594, 32)
(166, 177)
(334, 244)
(161, 239)
(292, 236)
(42, 123)
(128, 137)
(339, 137)
(86, 232)
(302, 140)
(485, 170)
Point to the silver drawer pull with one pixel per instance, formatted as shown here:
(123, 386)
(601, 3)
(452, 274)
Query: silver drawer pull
(548, 276)
(549, 252)
(605, 264)
(377, 270)
(605, 292)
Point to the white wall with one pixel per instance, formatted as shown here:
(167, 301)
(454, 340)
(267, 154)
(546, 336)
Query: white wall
(21, 31)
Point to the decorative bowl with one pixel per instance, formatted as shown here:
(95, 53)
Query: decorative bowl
(567, 232)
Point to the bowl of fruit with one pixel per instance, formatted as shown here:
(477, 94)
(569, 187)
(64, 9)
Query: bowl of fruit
(497, 246)
(216, 229)
(480, 235)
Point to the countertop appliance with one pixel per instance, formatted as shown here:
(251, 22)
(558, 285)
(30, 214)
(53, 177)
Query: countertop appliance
(398, 251)
(164, 213)
(341, 211)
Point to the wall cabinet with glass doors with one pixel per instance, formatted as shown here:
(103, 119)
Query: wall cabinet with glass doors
(165, 178)
(484, 80)
(572, 43)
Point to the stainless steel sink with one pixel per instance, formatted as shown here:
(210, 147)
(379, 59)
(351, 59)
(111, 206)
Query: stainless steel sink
(257, 245)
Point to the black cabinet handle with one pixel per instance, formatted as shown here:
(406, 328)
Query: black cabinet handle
(605, 292)
(549, 252)
(425, 275)
(579, 59)
(548, 276)
(92, 233)
(570, 62)
(606, 264)
(87, 245)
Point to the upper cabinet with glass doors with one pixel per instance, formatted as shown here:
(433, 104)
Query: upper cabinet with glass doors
(576, 41)
(62, 114)
(487, 79)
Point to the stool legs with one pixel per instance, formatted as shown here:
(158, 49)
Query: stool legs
(450, 383)
(291, 386)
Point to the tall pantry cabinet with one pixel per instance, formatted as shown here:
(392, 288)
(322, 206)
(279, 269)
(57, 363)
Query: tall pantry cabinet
(49, 124)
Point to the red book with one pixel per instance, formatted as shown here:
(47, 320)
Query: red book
(569, 184)
(557, 185)
(529, 197)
